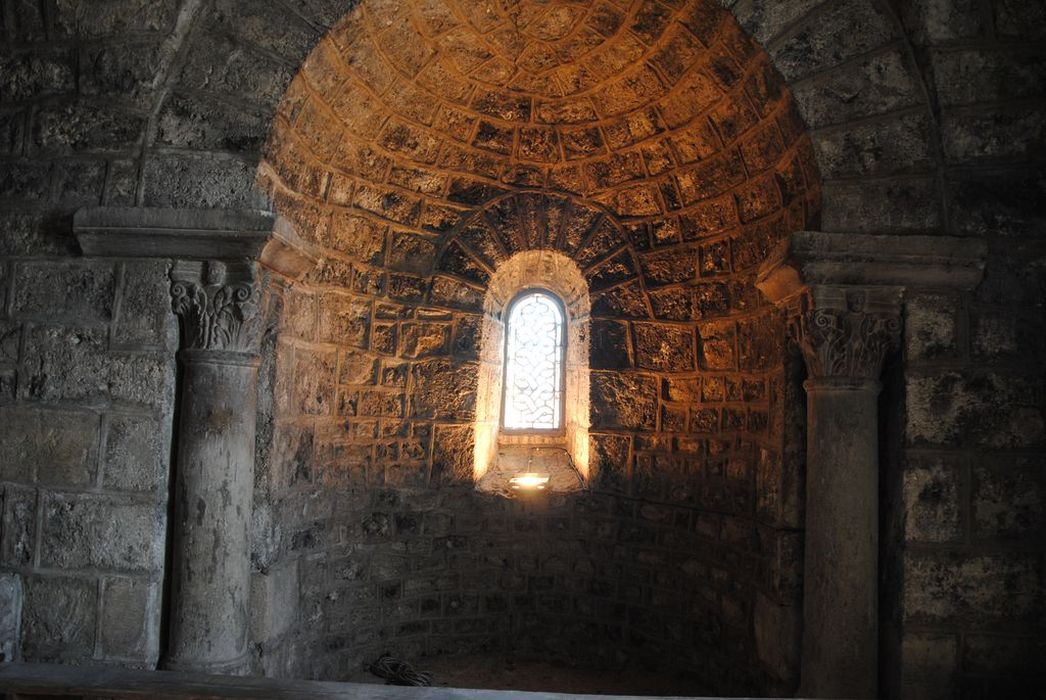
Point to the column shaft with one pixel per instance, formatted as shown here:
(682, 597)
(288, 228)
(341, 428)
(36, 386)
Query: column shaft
(212, 508)
(840, 636)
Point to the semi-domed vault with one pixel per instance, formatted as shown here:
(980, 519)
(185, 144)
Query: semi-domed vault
(653, 148)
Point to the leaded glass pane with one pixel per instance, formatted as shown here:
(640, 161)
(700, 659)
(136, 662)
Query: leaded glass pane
(534, 363)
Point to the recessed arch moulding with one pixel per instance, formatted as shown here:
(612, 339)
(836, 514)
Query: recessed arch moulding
(644, 155)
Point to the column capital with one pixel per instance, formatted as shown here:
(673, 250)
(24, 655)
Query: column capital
(845, 333)
(842, 294)
(220, 304)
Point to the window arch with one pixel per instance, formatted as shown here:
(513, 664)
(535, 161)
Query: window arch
(527, 290)
(535, 345)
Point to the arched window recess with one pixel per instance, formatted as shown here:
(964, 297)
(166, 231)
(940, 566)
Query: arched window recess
(532, 409)
(535, 363)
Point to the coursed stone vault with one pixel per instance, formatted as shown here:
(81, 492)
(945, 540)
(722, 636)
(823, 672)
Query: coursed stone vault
(413, 145)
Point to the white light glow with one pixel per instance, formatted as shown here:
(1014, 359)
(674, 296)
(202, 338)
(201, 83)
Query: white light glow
(534, 364)
(529, 481)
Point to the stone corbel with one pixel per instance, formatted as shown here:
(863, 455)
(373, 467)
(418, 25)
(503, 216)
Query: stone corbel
(842, 295)
(223, 263)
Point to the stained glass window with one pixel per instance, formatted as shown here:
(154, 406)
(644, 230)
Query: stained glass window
(534, 363)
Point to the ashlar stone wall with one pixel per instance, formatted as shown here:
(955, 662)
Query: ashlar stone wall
(925, 117)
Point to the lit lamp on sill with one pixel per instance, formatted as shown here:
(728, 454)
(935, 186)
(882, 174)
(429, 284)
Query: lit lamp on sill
(529, 481)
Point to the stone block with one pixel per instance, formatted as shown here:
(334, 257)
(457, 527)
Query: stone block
(981, 75)
(764, 21)
(85, 126)
(993, 204)
(10, 616)
(229, 67)
(424, 339)
(760, 342)
(929, 665)
(25, 181)
(107, 17)
(141, 379)
(718, 342)
(1019, 19)
(998, 335)
(129, 621)
(34, 234)
(136, 454)
(123, 69)
(778, 637)
(78, 292)
(59, 616)
(12, 131)
(976, 408)
(65, 364)
(122, 186)
(1002, 654)
(609, 465)
(313, 388)
(1007, 501)
(452, 455)
(18, 534)
(876, 148)
(609, 345)
(664, 347)
(1012, 132)
(274, 602)
(932, 495)
(444, 390)
(931, 327)
(29, 75)
(81, 531)
(254, 23)
(196, 122)
(940, 21)
(845, 29)
(210, 181)
(49, 446)
(78, 183)
(881, 206)
(624, 400)
(871, 85)
(341, 321)
(144, 318)
(947, 587)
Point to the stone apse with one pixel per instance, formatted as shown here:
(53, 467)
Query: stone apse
(804, 402)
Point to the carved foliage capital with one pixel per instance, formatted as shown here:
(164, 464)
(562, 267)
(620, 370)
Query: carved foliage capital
(219, 304)
(845, 332)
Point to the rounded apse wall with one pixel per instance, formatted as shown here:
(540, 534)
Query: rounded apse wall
(420, 145)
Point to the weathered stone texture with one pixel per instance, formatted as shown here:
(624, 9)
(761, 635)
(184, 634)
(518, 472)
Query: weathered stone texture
(91, 532)
(129, 619)
(58, 618)
(679, 125)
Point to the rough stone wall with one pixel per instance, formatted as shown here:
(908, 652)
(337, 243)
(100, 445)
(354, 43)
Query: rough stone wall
(85, 420)
(926, 117)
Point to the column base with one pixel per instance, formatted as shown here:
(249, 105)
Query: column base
(232, 667)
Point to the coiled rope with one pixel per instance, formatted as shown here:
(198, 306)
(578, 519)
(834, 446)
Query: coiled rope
(398, 672)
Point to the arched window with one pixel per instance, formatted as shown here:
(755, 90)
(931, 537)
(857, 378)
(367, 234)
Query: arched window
(532, 394)
(534, 361)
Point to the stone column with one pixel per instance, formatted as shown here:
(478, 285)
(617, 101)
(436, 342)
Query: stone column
(842, 295)
(219, 305)
(222, 260)
(844, 335)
